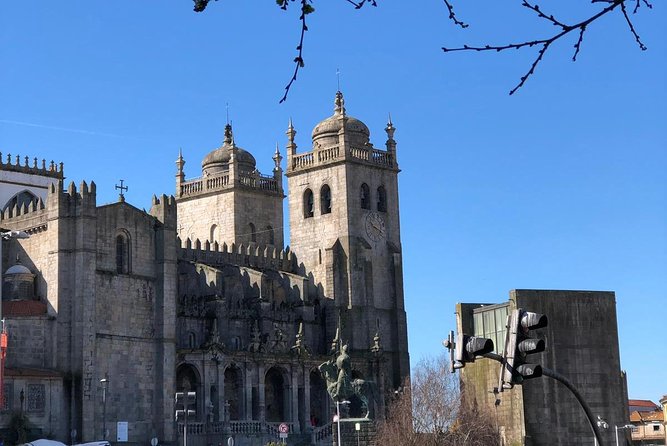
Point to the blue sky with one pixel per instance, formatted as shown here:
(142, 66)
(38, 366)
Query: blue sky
(561, 186)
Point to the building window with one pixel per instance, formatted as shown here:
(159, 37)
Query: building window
(192, 340)
(122, 254)
(365, 196)
(215, 234)
(490, 322)
(253, 233)
(325, 200)
(656, 428)
(308, 203)
(19, 200)
(382, 199)
(36, 398)
(271, 235)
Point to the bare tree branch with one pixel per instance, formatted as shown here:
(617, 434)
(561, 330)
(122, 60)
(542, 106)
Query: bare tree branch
(564, 30)
(452, 16)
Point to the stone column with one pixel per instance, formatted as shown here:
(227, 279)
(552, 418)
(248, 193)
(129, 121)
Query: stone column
(306, 396)
(261, 390)
(248, 392)
(295, 398)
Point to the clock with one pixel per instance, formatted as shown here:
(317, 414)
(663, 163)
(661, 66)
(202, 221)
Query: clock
(375, 226)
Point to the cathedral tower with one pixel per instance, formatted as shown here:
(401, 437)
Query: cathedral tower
(231, 202)
(344, 227)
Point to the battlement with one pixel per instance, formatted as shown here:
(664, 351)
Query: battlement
(329, 155)
(220, 182)
(31, 217)
(53, 170)
(250, 256)
(164, 209)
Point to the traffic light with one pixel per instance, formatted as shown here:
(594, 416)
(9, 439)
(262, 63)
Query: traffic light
(185, 400)
(465, 349)
(518, 345)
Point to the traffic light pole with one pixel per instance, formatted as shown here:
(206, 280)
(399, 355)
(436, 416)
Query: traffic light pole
(567, 383)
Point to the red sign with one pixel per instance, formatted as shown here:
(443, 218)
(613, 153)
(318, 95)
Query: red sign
(283, 428)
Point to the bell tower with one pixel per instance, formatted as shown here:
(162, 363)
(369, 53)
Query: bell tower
(344, 227)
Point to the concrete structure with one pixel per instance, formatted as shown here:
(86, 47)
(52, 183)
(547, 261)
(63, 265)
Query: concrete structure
(581, 344)
(200, 293)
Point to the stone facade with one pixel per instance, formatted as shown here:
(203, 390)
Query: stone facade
(200, 294)
(581, 344)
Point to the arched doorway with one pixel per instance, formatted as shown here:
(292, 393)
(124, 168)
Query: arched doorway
(276, 395)
(187, 380)
(234, 392)
(319, 400)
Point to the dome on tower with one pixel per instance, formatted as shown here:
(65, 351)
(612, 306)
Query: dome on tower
(326, 132)
(218, 160)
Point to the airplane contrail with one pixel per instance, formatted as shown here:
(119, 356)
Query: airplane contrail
(65, 129)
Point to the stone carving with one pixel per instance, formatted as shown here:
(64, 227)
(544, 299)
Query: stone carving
(279, 344)
(256, 345)
(299, 348)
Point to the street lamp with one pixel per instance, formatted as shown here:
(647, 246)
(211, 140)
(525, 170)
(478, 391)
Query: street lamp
(3, 334)
(616, 428)
(105, 384)
(602, 423)
(338, 403)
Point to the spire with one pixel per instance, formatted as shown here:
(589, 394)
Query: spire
(339, 104)
(277, 158)
(291, 145)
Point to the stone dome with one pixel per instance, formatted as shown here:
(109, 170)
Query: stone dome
(326, 132)
(17, 269)
(218, 160)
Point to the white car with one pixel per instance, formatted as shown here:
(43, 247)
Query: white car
(44, 442)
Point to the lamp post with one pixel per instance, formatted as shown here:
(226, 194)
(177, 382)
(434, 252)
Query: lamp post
(616, 428)
(338, 403)
(601, 423)
(105, 384)
(3, 334)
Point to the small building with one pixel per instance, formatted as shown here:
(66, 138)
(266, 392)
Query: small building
(649, 422)
(581, 344)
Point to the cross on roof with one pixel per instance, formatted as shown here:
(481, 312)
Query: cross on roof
(122, 189)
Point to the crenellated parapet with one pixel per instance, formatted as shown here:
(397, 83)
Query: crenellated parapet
(52, 170)
(164, 209)
(30, 217)
(251, 256)
(72, 201)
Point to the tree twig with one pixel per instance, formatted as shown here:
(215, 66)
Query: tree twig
(564, 30)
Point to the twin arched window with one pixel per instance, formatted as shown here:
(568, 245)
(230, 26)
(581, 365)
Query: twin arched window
(253, 232)
(309, 202)
(365, 198)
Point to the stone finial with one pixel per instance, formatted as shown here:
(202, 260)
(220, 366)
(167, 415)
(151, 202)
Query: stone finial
(339, 104)
(291, 145)
(229, 135)
(390, 129)
(256, 344)
(277, 158)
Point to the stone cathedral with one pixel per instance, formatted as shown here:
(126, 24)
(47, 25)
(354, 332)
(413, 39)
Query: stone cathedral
(110, 309)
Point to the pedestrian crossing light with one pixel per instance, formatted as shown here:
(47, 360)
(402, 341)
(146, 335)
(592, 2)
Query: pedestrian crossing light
(185, 400)
(518, 345)
(465, 349)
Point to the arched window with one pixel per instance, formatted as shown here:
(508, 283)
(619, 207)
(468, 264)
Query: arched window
(192, 340)
(215, 234)
(325, 199)
(253, 232)
(122, 253)
(365, 196)
(271, 235)
(382, 199)
(308, 204)
(20, 199)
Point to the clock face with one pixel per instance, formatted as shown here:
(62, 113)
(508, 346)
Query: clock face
(375, 226)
